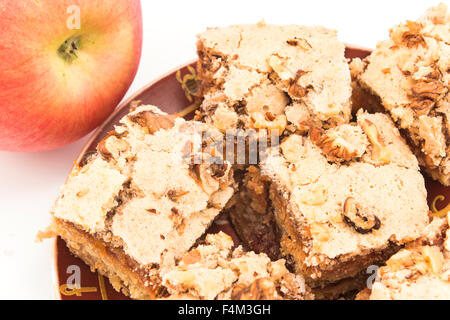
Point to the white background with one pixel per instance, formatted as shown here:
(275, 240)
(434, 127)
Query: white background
(29, 183)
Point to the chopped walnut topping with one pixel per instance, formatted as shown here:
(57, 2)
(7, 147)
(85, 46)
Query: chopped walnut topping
(299, 42)
(431, 89)
(409, 35)
(270, 116)
(422, 107)
(111, 145)
(380, 153)
(358, 218)
(260, 289)
(425, 93)
(203, 174)
(219, 170)
(296, 89)
(153, 122)
(335, 146)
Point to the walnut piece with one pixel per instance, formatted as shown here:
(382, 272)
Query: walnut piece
(429, 89)
(203, 174)
(260, 289)
(359, 219)
(299, 42)
(112, 145)
(277, 65)
(153, 122)
(422, 106)
(335, 147)
(424, 95)
(380, 153)
(316, 197)
(220, 170)
(409, 35)
(296, 90)
(343, 143)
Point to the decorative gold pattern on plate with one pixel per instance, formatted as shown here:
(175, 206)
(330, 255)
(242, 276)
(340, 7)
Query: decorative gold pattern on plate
(68, 290)
(101, 284)
(183, 113)
(189, 83)
(439, 213)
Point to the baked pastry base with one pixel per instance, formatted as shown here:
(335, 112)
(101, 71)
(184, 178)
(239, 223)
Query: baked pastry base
(124, 274)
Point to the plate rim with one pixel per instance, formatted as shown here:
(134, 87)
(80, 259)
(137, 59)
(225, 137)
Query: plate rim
(94, 134)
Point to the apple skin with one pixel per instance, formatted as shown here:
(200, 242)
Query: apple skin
(47, 102)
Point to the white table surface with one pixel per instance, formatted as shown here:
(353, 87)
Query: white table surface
(29, 183)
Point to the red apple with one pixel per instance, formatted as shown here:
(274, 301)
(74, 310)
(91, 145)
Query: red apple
(57, 82)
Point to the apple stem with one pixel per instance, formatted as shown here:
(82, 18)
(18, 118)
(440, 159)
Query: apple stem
(68, 50)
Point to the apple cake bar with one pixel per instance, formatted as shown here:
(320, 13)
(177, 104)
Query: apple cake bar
(334, 202)
(410, 74)
(138, 209)
(273, 78)
(141, 202)
(421, 271)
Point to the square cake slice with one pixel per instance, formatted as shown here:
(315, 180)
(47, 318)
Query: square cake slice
(212, 270)
(333, 203)
(421, 271)
(268, 77)
(410, 75)
(142, 201)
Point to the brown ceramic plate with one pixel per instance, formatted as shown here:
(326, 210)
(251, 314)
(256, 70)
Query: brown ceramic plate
(170, 93)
